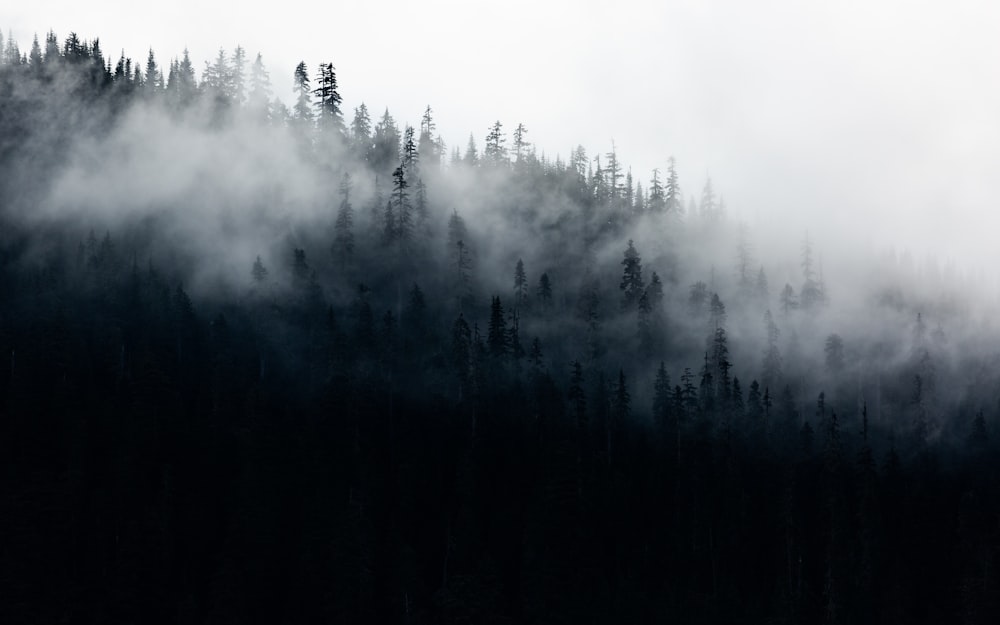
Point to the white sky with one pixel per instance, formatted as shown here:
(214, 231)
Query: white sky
(869, 117)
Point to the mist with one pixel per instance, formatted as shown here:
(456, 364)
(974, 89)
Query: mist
(419, 363)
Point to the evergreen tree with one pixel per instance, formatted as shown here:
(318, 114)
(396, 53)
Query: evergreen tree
(428, 148)
(471, 157)
(303, 113)
(544, 290)
(761, 292)
(385, 148)
(620, 412)
(498, 338)
(35, 58)
(632, 286)
(521, 144)
(460, 253)
(343, 247)
(258, 272)
(361, 132)
(661, 397)
(403, 210)
(495, 153)
(672, 191)
(259, 97)
(410, 154)
(771, 367)
(154, 78)
(709, 207)
(520, 285)
(329, 118)
(237, 80)
(788, 300)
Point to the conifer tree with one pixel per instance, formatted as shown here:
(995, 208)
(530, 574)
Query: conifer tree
(361, 132)
(672, 191)
(344, 226)
(401, 203)
(498, 338)
(303, 113)
(520, 285)
(259, 96)
(429, 149)
(329, 117)
(657, 199)
(544, 290)
(632, 286)
(495, 154)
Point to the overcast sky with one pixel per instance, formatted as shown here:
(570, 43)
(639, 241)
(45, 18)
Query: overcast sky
(867, 117)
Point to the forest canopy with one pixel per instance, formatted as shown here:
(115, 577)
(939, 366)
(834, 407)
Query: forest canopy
(270, 360)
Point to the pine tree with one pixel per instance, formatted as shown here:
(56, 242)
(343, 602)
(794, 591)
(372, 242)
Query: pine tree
(258, 272)
(390, 225)
(410, 154)
(259, 97)
(471, 157)
(428, 148)
(460, 253)
(520, 285)
(237, 79)
(788, 300)
(498, 339)
(330, 119)
(672, 191)
(544, 290)
(761, 292)
(154, 78)
(521, 144)
(708, 208)
(35, 58)
(771, 367)
(344, 226)
(743, 261)
(361, 132)
(661, 397)
(385, 149)
(495, 153)
(401, 204)
(811, 294)
(303, 113)
(620, 412)
(632, 286)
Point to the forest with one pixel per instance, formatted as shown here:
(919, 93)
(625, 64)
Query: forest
(272, 363)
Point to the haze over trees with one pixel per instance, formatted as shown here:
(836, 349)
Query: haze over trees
(267, 364)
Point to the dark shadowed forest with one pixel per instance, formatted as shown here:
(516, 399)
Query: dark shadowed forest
(294, 364)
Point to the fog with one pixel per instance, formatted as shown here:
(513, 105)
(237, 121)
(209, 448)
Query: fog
(873, 121)
(266, 361)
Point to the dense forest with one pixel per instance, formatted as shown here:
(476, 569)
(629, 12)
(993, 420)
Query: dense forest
(286, 364)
